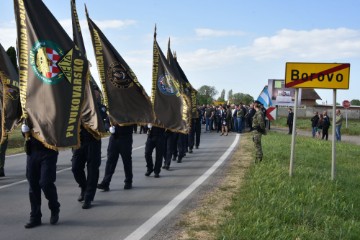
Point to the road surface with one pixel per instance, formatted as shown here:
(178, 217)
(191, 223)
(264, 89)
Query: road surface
(118, 214)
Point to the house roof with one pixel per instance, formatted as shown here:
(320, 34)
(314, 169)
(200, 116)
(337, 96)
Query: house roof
(309, 94)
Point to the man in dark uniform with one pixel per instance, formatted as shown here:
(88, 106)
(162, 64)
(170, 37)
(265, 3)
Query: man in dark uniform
(120, 143)
(290, 120)
(89, 153)
(155, 140)
(3, 148)
(181, 146)
(170, 150)
(41, 175)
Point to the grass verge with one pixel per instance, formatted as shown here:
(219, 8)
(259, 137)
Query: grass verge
(271, 205)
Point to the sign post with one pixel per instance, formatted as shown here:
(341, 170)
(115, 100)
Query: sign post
(317, 75)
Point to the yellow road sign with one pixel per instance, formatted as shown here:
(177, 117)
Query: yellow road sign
(317, 75)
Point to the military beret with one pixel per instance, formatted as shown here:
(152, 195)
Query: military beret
(258, 102)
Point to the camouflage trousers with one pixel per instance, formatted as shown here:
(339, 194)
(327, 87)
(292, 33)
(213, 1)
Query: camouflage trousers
(258, 148)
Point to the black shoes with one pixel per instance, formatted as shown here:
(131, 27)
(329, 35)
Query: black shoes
(86, 205)
(174, 159)
(179, 160)
(81, 196)
(148, 172)
(156, 175)
(2, 173)
(33, 223)
(197, 147)
(54, 218)
(190, 151)
(103, 187)
(128, 185)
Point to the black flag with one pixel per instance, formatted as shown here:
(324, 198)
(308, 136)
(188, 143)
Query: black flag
(171, 105)
(124, 96)
(10, 108)
(91, 117)
(52, 76)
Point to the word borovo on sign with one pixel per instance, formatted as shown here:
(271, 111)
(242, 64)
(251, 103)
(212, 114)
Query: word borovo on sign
(317, 75)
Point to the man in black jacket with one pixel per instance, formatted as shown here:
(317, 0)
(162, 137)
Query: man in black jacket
(120, 143)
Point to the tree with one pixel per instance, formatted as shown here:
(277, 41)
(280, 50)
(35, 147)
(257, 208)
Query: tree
(355, 102)
(206, 94)
(11, 52)
(230, 95)
(222, 96)
(242, 98)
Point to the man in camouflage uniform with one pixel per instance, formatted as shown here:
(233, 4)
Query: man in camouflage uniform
(258, 125)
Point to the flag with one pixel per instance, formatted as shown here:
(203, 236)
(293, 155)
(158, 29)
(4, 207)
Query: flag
(52, 76)
(91, 117)
(124, 96)
(192, 91)
(169, 102)
(10, 108)
(264, 98)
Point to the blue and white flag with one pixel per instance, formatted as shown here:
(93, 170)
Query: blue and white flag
(264, 98)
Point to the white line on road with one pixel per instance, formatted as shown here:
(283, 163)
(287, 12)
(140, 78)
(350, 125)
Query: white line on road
(166, 210)
(60, 171)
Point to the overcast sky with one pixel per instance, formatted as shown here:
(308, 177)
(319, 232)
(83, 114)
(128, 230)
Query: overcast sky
(229, 44)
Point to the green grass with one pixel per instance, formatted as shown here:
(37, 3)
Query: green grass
(309, 205)
(305, 124)
(16, 142)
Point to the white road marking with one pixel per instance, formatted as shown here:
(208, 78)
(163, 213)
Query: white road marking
(166, 210)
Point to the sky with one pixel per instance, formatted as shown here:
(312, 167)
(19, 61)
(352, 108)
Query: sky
(230, 44)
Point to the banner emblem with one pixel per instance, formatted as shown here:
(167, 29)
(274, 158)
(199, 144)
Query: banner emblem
(118, 77)
(166, 85)
(44, 57)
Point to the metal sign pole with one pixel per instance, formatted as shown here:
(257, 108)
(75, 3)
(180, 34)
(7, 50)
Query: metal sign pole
(346, 117)
(291, 168)
(333, 148)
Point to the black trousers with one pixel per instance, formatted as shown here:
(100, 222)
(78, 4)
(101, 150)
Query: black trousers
(156, 142)
(88, 154)
(41, 175)
(119, 145)
(171, 147)
(182, 145)
(325, 133)
(197, 132)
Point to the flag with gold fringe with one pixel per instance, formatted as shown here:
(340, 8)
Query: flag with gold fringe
(10, 108)
(124, 96)
(91, 117)
(52, 76)
(188, 89)
(171, 105)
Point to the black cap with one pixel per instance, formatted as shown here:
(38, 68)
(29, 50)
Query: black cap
(258, 102)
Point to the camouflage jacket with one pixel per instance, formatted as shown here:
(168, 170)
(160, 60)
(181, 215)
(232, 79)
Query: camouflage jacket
(258, 122)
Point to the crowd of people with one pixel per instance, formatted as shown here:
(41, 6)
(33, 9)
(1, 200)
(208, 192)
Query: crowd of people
(320, 124)
(228, 118)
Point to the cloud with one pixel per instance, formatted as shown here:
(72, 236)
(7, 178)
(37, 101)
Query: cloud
(316, 44)
(207, 32)
(102, 24)
(286, 45)
(8, 34)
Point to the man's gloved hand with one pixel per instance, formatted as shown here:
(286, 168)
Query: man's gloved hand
(112, 129)
(25, 128)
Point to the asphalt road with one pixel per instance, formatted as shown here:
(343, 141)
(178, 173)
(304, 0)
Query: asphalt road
(118, 214)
